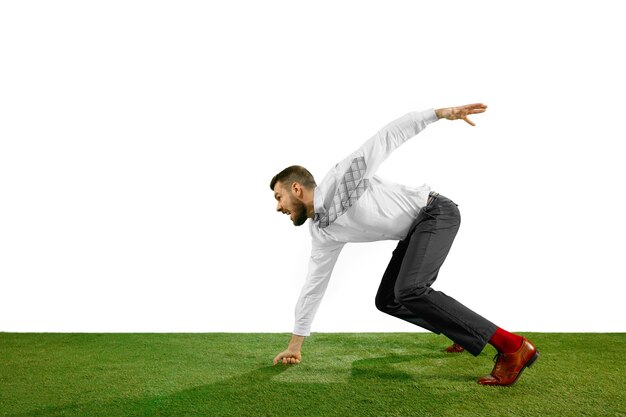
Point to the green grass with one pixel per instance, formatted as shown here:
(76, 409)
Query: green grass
(373, 374)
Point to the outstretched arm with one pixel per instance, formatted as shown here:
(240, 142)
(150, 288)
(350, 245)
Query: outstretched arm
(321, 264)
(461, 112)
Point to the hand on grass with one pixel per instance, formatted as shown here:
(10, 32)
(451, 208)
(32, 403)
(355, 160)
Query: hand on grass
(461, 112)
(288, 357)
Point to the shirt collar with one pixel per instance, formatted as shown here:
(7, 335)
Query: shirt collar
(318, 203)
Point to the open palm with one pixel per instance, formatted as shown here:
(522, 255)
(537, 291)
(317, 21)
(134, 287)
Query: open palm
(461, 112)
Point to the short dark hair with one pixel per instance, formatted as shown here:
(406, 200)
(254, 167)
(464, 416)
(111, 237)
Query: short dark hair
(294, 173)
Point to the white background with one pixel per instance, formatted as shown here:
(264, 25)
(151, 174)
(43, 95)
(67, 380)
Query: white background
(138, 139)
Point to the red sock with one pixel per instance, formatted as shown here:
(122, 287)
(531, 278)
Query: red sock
(505, 342)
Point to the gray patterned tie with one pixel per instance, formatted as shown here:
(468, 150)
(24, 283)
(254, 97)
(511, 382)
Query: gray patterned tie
(352, 187)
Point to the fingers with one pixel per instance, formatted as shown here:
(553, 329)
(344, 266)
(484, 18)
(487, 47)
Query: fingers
(280, 358)
(286, 359)
(469, 121)
(480, 107)
(475, 108)
(468, 109)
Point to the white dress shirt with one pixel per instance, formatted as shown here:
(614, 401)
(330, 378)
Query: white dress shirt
(383, 211)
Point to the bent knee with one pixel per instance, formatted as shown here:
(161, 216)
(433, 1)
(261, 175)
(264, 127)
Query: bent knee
(383, 304)
(411, 294)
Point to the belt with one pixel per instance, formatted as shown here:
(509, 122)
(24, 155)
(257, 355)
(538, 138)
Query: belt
(431, 197)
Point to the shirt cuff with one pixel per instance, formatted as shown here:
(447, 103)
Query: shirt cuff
(301, 331)
(429, 116)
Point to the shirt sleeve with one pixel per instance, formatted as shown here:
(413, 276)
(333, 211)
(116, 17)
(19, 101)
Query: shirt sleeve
(363, 163)
(390, 137)
(321, 264)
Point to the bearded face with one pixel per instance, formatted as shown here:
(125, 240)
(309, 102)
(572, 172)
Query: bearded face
(298, 212)
(290, 205)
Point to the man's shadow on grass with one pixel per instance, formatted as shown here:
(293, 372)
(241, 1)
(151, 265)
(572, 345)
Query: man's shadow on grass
(382, 368)
(261, 392)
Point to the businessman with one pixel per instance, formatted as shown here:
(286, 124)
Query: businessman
(352, 204)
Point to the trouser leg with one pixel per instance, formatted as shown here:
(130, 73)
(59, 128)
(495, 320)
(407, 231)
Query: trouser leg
(385, 297)
(429, 242)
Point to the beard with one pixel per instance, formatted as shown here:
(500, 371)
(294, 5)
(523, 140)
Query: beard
(299, 213)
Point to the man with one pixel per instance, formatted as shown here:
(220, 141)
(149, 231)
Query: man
(352, 204)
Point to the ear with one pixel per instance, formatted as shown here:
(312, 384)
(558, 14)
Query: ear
(296, 188)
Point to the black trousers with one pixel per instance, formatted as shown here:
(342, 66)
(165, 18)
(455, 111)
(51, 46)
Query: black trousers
(405, 290)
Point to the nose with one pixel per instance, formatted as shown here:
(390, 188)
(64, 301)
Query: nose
(279, 207)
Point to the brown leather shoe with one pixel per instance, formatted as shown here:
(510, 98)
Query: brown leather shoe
(509, 366)
(455, 348)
